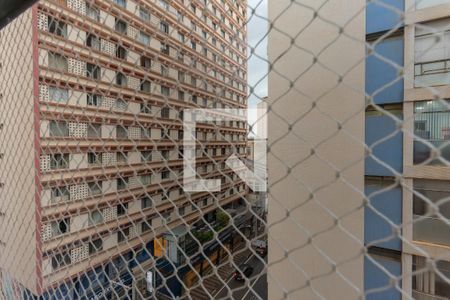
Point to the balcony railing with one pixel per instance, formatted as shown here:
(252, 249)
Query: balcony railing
(432, 73)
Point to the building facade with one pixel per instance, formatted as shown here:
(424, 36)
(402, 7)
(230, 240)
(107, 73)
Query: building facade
(403, 219)
(315, 155)
(407, 78)
(94, 93)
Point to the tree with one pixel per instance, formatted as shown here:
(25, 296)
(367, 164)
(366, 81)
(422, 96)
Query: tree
(223, 218)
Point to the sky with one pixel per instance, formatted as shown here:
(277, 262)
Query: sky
(257, 61)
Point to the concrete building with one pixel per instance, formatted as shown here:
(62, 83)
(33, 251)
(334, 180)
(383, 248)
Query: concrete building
(93, 94)
(316, 154)
(401, 229)
(406, 173)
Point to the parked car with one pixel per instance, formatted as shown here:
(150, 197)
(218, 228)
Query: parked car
(260, 247)
(243, 271)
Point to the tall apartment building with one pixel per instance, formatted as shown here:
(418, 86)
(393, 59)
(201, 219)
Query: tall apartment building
(411, 230)
(93, 94)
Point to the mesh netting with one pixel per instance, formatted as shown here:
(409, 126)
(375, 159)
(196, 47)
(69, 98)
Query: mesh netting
(219, 149)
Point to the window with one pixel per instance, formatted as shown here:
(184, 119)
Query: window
(432, 55)
(180, 95)
(144, 38)
(121, 132)
(145, 226)
(57, 27)
(205, 202)
(122, 157)
(164, 71)
(122, 235)
(145, 86)
(164, 27)
(181, 37)
(146, 62)
(165, 49)
(165, 91)
(121, 52)
(180, 16)
(430, 225)
(180, 154)
(146, 133)
(93, 100)
(165, 196)
(95, 246)
(122, 209)
(146, 202)
(181, 76)
(60, 260)
(164, 4)
(194, 81)
(431, 126)
(92, 12)
(95, 217)
(121, 26)
(144, 14)
(164, 134)
(122, 3)
(146, 108)
(122, 183)
(194, 99)
(180, 56)
(146, 156)
(94, 158)
(181, 211)
(57, 61)
(165, 154)
(59, 161)
(121, 79)
(430, 284)
(93, 42)
(60, 227)
(92, 71)
(180, 134)
(165, 175)
(165, 112)
(94, 130)
(95, 188)
(121, 104)
(61, 193)
(58, 94)
(193, 45)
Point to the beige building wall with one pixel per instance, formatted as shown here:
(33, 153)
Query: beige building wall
(17, 195)
(316, 157)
